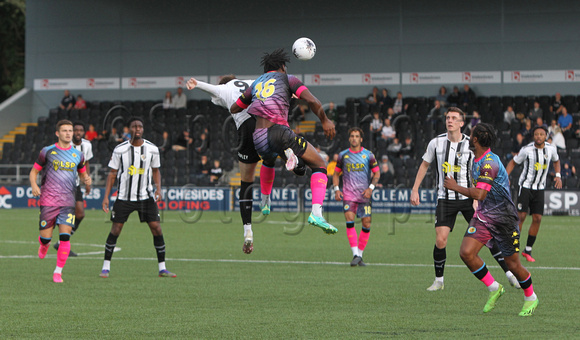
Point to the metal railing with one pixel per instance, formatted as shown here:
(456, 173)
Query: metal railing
(21, 172)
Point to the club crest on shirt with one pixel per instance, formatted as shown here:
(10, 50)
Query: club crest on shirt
(143, 157)
(74, 154)
(364, 156)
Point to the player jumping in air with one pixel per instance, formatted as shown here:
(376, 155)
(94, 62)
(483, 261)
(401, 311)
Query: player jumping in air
(225, 95)
(269, 97)
(61, 164)
(496, 218)
(358, 166)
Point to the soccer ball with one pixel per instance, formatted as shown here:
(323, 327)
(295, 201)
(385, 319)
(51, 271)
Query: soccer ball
(304, 49)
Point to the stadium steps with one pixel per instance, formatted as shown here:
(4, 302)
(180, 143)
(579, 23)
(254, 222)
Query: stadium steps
(237, 177)
(10, 137)
(307, 126)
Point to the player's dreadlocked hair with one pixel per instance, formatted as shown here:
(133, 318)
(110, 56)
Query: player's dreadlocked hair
(485, 134)
(275, 60)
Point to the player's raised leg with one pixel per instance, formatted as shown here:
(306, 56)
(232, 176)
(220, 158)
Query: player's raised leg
(469, 249)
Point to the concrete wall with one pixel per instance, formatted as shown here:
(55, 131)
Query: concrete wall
(127, 38)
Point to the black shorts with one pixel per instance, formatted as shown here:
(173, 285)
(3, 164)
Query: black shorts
(148, 211)
(246, 150)
(531, 200)
(79, 194)
(505, 233)
(271, 142)
(447, 210)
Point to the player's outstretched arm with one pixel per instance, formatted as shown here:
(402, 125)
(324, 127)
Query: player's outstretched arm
(418, 180)
(32, 177)
(316, 107)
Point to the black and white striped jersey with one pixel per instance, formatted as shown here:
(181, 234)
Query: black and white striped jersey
(451, 159)
(536, 165)
(134, 165)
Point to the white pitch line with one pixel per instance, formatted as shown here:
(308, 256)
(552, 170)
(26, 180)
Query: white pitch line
(280, 262)
(117, 249)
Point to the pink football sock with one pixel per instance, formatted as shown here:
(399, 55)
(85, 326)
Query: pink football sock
(352, 237)
(266, 179)
(530, 290)
(363, 239)
(318, 182)
(488, 279)
(62, 254)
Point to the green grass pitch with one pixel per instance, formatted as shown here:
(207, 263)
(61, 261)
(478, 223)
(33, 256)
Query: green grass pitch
(296, 284)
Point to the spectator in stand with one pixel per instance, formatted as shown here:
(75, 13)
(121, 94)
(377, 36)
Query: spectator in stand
(322, 154)
(216, 172)
(388, 132)
(536, 112)
(555, 133)
(398, 106)
(390, 114)
(436, 113)
(91, 134)
(454, 98)
(180, 99)
(518, 144)
(467, 97)
(442, 96)
(376, 126)
(204, 143)
(527, 131)
(332, 165)
(539, 121)
(387, 172)
(556, 107)
(568, 171)
(520, 117)
(202, 171)
(509, 115)
(474, 120)
(183, 141)
(394, 149)
(373, 99)
(115, 137)
(299, 114)
(408, 148)
(331, 112)
(386, 101)
(166, 143)
(126, 134)
(80, 103)
(168, 100)
(68, 101)
(565, 122)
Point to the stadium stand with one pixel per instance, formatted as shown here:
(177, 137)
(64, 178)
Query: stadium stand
(21, 147)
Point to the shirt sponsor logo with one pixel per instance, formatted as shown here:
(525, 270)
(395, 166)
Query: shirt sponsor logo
(66, 166)
(447, 168)
(135, 171)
